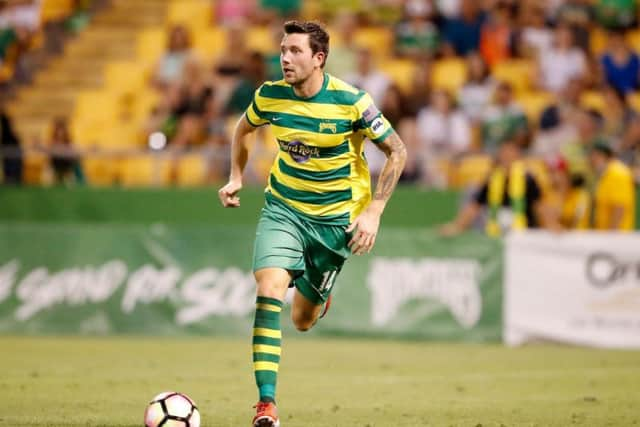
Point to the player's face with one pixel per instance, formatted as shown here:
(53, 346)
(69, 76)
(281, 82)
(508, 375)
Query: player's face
(297, 59)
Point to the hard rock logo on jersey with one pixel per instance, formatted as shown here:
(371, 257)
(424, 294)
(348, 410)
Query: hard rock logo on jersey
(299, 151)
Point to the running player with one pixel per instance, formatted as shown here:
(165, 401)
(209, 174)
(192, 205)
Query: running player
(319, 208)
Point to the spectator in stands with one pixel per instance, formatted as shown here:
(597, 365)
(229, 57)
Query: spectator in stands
(588, 125)
(253, 75)
(419, 92)
(568, 206)
(270, 10)
(620, 65)
(617, 113)
(503, 120)
(561, 63)
(475, 96)
(417, 35)
(462, 33)
(169, 69)
(11, 153)
(64, 159)
(444, 133)
(578, 15)
(511, 198)
(629, 147)
(616, 14)
(497, 35)
(232, 12)
(535, 36)
(343, 58)
(615, 198)
(368, 77)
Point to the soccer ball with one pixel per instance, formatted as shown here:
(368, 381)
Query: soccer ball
(171, 409)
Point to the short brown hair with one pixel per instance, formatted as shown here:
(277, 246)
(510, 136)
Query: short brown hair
(318, 36)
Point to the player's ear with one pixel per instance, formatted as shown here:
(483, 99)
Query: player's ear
(319, 58)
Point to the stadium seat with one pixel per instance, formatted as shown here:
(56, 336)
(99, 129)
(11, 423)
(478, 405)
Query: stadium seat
(151, 44)
(634, 40)
(533, 103)
(378, 40)
(206, 42)
(471, 170)
(634, 100)
(401, 72)
(516, 72)
(191, 170)
(53, 10)
(34, 165)
(100, 170)
(126, 76)
(449, 74)
(593, 99)
(145, 170)
(597, 41)
(261, 40)
(191, 13)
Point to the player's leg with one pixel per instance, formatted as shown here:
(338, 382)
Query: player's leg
(304, 312)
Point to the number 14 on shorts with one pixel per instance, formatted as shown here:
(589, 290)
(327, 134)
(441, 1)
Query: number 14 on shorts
(328, 279)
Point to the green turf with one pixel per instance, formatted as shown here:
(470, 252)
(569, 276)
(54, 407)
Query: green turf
(338, 383)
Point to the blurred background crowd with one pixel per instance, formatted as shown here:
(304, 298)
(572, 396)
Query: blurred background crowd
(146, 92)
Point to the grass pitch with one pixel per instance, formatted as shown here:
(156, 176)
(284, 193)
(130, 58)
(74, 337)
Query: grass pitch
(323, 383)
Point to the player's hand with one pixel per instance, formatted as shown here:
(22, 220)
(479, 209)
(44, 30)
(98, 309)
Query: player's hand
(229, 194)
(365, 230)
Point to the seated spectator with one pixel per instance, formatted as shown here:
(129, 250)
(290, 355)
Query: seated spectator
(253, 75)
(615, 195)
(617, 113)
(368, 77)
(444, 132)
(232, 12)
(511, 198)
(10, 151)
(561, 63)
(588, 126)
(497, 35)
(616, 14)
(568, 207)
(503, 120)
(65, 161)
(629, 147)
(535, 36)
(462, 33)
(578, 15)
(475, 95)
(169, 69)
(417, 35)
(620, 65)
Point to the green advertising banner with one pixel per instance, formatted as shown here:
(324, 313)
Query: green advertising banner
(196, 279)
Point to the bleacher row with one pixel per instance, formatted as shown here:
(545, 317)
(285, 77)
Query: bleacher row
(110, 118)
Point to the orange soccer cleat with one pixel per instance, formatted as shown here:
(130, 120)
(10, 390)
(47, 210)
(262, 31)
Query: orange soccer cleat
(266, 415)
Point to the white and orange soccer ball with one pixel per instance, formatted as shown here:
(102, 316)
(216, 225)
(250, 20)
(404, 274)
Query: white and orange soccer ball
(172, 409)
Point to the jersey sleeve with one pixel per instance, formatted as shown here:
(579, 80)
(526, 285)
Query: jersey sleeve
(370, 121)
(253, 113)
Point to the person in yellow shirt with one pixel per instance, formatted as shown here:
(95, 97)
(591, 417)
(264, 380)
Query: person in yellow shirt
(568, 204)
(614, 197)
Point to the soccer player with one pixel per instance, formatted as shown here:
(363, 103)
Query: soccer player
(319, 208)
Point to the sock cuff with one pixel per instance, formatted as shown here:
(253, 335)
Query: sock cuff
(267, 300)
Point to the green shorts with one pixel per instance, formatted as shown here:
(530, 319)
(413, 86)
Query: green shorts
(314, 253)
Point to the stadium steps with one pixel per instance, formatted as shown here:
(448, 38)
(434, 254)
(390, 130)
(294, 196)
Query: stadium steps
(110, 37)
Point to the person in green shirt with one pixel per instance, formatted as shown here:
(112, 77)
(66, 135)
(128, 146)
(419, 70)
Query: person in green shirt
(616, 14)
(503, 120)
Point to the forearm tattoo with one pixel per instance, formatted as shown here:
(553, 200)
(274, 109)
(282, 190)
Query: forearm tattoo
(396, 154)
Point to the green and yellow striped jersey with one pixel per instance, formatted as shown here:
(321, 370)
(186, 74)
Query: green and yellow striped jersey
(320, 169)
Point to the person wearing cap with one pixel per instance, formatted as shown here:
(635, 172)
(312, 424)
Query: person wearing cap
(614, 197)
(568, 206)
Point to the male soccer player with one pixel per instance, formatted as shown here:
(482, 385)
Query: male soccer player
(319, 207)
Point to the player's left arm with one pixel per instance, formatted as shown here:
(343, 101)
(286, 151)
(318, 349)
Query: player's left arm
(365, 226)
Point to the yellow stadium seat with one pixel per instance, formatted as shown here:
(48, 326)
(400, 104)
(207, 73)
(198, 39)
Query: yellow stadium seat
(597, 40)
(126, 76)
(593, 99)
(101, 170)
(634, 40)
(634, 101)
(533, 103)
(191, 170)
(261, 40)
(517, 72)
(472, 170)
(401, 71)
(34, 164)
(151, 44)
(379, 40)
(144, 170)
(210, 41)
(119, 137)
(449, 74)
(55, 9)
(191, 13)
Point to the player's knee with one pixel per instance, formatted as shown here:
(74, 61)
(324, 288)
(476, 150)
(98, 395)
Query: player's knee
(302, 321)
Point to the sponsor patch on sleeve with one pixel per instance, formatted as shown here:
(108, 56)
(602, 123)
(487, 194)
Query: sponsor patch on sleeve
(370, 113)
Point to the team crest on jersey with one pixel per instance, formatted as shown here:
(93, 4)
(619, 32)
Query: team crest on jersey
(328, 126)
(299, 151)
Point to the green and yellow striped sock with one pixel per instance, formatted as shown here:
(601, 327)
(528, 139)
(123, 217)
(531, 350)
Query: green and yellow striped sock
(266, 346)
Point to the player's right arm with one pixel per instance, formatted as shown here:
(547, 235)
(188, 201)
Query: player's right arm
(239, 155)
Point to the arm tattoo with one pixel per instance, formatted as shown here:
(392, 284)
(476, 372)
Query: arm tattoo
(394, 149)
